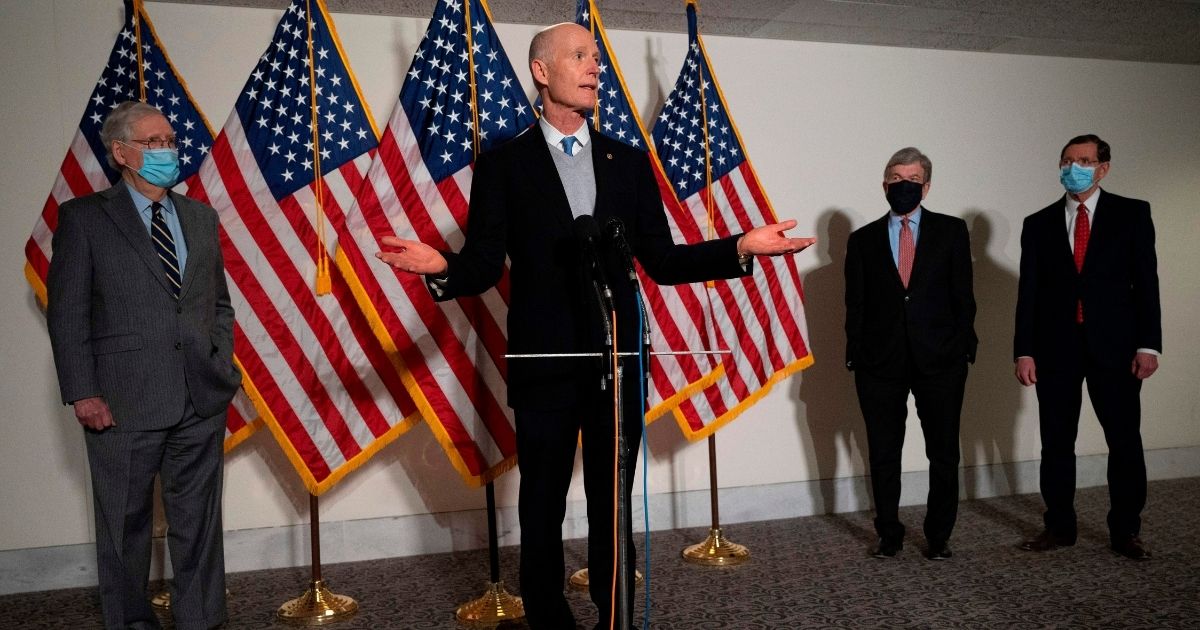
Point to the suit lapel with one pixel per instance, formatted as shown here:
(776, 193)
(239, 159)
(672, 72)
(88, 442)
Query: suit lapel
(1058, 227)
(602, 167)
(544, 170)
(927, 234)
(883, 244)
(1105, 222)
(118, 205)
(197, 247)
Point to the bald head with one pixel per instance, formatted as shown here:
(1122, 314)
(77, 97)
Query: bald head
(542, 46)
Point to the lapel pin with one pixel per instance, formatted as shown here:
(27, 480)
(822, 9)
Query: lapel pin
(608, 155)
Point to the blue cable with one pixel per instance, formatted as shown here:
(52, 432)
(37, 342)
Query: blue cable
(645, 468)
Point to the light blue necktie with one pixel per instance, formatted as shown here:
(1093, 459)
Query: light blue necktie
(568, 144)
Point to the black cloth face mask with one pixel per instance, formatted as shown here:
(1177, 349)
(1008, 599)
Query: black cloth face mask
(904, 196)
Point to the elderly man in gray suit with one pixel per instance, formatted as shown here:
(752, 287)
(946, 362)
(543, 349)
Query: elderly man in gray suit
(142, 330)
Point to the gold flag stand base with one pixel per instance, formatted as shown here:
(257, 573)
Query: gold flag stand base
(317, 606)
(579, 580)
(496, 609)
(716, 551)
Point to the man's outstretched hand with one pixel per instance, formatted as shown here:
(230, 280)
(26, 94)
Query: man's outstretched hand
(769, 240)
(411, 256)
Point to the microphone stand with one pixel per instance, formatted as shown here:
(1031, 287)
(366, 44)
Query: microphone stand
(611, 356)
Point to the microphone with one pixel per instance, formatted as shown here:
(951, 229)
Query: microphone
(615, 231)
(588, 233)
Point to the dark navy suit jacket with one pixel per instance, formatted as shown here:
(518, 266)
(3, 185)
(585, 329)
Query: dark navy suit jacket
(934, 318)
(1118, 285)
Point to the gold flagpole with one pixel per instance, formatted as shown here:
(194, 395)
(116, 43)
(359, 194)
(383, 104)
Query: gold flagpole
(318, 605)
(323, 284)
(716, 550)
(137, 39)
(496, 606)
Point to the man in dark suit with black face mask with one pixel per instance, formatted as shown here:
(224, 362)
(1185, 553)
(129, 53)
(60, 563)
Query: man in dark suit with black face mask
(910, 327)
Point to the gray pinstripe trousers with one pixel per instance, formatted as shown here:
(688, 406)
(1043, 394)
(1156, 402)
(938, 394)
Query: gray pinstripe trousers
(123, 464)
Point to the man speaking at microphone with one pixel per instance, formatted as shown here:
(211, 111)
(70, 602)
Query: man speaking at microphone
(527, 201)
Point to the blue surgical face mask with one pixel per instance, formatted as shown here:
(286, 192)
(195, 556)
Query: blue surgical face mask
(1076, 178)
(159, 166)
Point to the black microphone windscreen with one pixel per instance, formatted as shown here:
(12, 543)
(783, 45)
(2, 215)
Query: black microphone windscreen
(586, 228)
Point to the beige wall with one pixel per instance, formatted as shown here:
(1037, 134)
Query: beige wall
(819, 121)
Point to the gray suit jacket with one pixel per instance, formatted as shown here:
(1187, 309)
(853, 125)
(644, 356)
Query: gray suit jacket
(116, 328)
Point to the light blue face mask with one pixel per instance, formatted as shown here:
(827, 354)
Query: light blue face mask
(1076, 178)
(159, 166)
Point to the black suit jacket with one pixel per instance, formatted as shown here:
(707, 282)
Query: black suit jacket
(520, 209)
(934, 317)
(1118, 285)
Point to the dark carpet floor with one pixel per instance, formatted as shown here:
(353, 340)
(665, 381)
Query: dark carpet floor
(809, 572)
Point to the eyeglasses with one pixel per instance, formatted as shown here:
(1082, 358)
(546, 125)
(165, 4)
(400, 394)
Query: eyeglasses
(1084, 162)
(157, 143)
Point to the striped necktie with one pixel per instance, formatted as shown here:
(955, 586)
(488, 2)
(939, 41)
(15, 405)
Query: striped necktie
(164, 246)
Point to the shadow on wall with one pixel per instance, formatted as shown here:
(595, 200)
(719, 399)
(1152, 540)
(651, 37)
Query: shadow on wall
(993, 396)
(835, 425)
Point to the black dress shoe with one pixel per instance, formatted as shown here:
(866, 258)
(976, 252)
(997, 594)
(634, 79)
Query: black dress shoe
(939, 551)
(886, 548)
(1132, 548)
(1047, 541)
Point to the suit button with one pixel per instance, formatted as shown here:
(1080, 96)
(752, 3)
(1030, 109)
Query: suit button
(178, 346)
(906, 298)
(179, 310)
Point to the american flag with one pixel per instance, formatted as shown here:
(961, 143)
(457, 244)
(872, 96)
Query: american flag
(460, 97)
(138, 68)
(320, 380)
(678, 315)
(761, 317)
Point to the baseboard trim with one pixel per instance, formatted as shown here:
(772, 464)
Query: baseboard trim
(71, 566)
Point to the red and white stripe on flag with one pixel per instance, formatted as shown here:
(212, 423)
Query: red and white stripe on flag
(138, 68)
(328, 390)
(418, 189)
(760, 317)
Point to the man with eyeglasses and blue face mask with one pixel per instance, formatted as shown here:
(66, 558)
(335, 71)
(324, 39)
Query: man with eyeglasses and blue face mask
(141, 326)
(1088, 310)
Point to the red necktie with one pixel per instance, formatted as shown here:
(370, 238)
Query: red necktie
(907, 250)
(1083, 229)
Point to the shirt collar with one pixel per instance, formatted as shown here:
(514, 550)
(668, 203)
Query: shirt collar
(143, 203)
(554, 137)
(1073, 206)
(914, 217)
